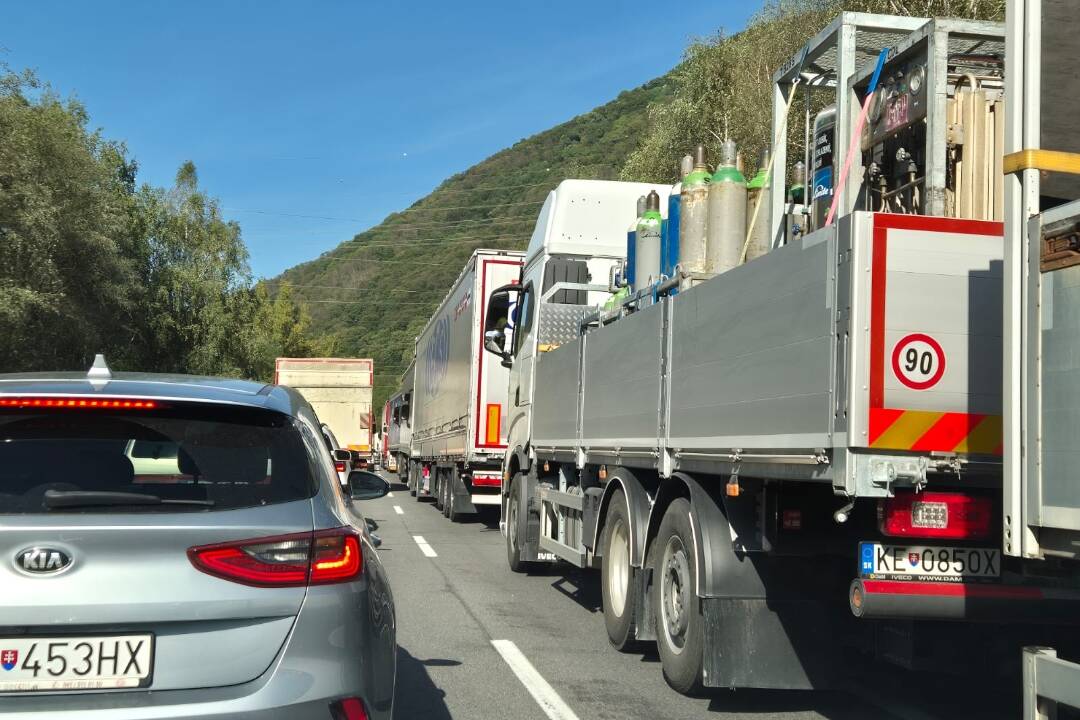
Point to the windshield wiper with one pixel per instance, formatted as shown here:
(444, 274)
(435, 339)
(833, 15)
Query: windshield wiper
(100, 498)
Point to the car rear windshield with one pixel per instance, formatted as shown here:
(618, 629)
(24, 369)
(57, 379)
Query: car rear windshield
(221, 457)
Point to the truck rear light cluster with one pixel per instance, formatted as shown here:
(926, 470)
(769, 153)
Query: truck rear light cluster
(949, 515)
(339, 465)
(486, 480)
(308, 558)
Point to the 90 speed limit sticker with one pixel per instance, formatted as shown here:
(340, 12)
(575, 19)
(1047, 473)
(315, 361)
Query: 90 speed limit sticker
(918, 361)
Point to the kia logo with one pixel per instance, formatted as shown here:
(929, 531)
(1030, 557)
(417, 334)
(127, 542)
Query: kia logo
(42, 561)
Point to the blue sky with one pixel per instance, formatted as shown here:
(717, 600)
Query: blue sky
(344, 110)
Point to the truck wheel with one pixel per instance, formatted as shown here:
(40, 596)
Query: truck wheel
(446, 489)
(410, 478)
(618, 586)
(439, 486)
(513, 546)
(452, 513)
(679, 625)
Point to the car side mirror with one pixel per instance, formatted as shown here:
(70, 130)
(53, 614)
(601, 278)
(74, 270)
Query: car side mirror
(364, 485)
(342, 455)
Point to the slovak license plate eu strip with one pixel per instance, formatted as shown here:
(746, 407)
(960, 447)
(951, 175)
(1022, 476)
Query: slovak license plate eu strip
(29, 664)
(928, 563)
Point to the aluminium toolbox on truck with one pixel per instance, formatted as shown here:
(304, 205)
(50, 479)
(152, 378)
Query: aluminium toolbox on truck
(339, 390)
(853, 355)
(459, 396)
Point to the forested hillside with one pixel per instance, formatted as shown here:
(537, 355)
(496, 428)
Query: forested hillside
(91, 262)
(374, 293)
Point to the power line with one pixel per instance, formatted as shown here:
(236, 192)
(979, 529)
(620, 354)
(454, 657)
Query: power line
(391, 225)
(398, 212)
(370, 302)
(429, 241)
(359, 289)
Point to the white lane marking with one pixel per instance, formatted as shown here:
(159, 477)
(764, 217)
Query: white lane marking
(390, 494)
(544, 695)
(424, 547)
(398, 510)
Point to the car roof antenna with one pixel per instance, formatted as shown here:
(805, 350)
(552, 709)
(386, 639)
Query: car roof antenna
(99, 370)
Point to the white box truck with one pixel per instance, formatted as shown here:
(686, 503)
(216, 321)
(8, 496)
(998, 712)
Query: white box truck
(339, 390)
(458, 405)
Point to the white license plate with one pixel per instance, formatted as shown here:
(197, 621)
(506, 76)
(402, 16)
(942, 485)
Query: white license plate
(75, 663)
(924, 562)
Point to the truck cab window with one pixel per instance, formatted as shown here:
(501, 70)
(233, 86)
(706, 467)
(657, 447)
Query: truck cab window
(570, 271)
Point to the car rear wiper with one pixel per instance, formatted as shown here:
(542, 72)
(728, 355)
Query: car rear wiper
(101, 498)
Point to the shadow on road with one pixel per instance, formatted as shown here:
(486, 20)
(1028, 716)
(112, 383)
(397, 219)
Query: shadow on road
(767, 703)
(416, 694)
(582, 588)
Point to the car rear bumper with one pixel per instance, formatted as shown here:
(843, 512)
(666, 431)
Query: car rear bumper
(336, 650)
(963, 601)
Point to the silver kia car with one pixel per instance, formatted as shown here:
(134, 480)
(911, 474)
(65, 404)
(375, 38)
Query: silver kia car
(181, 547)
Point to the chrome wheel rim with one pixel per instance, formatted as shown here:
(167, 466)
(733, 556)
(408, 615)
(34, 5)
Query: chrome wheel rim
(675, 586)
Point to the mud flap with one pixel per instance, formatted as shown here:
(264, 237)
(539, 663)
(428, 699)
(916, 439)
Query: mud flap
(752, 644)
(644, 619)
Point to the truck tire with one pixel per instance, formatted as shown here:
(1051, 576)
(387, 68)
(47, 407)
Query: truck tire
(446, 491)
(513, 551)
(680, 628)
(452, 513)
(618, 586)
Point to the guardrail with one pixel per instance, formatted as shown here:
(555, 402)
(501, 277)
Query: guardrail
(1048, 682)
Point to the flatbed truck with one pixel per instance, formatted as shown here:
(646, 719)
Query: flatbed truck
(802, 454)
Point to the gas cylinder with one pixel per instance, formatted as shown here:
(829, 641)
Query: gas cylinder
(669, 249)
(631, 242)
(759, 242)
(647, 252)
(727, 212)
(693, 215)
(821, 165)
(797, 189)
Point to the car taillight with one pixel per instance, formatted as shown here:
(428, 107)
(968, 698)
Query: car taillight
(335, 557)
(322, 557)
(935, 515)
(348, 709)
(339, 465)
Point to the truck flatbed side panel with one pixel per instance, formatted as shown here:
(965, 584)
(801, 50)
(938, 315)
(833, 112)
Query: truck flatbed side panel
(621, 375)
(1060, 391)
(555, 406)
(751, 353)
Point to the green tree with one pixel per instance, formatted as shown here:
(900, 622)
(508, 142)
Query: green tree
(69, 251)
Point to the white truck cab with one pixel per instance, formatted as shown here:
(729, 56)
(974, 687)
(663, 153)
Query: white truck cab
(579, 237)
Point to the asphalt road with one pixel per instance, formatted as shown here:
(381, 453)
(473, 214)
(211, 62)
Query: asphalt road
(465, 622)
